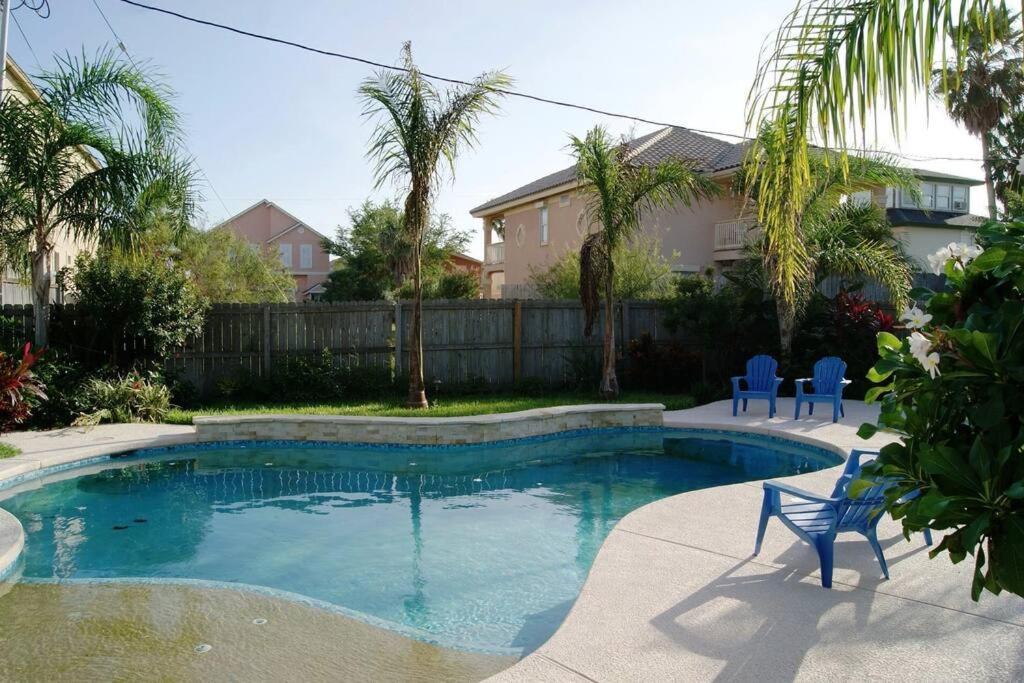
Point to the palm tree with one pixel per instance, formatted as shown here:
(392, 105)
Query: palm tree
(831, 66)
(618, 195)
(837, 237)
(420, 132)
(93, 157)
(979, 90)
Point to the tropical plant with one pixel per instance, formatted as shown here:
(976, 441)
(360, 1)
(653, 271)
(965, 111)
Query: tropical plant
(1006, 148)
(132, 398)
(138, 307)
(375, 255)
(420, 131)
(952, 390)
(980, 87)
(838, 236)
(94, 157)
(455, 284)
(18, 387)
(641, 272)
(831, 66)
(225, 268)
(618, 194)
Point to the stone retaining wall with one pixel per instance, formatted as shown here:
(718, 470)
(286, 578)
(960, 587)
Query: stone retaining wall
(428, 430)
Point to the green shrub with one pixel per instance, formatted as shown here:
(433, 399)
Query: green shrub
(641, 272)
(954, 391)
(660, 367)
(132, 398)
(134, 309)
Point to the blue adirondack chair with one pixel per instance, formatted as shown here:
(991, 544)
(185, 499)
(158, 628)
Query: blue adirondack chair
(818, 519)
(761, 383)
(827, 385)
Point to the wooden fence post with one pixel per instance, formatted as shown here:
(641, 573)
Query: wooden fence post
(266, 341)
(399, 360)
(517, 340)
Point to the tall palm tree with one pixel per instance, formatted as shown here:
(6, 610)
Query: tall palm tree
(93, 157)
(619, 193)
(979, 90)
(836, 236)
(831, 66)
(419, 133)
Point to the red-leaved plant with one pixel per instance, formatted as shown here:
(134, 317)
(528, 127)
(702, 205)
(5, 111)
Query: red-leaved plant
(17, 383)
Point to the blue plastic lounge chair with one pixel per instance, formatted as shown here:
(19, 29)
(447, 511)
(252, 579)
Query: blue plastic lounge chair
(817, 519)
(828, 384)
(761, 383)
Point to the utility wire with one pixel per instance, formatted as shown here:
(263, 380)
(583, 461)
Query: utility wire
(502, 91)
(25, 38)
(124, 49)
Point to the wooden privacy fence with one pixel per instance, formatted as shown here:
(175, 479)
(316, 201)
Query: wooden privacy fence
(493, 342)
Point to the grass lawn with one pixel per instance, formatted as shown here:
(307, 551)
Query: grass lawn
(6, 451)
(454, 406)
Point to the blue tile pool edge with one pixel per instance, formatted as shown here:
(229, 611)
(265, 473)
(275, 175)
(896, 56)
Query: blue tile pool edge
(241, 444)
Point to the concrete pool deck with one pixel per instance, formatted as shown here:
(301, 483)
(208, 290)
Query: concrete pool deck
(675, 593)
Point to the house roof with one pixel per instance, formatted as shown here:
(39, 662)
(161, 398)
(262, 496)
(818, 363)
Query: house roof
(710, 155)
(707, 153)
(939, 219)
(925, 174)
(266, 202)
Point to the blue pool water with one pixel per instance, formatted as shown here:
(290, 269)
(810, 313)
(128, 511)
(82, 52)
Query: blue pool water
(479, 547)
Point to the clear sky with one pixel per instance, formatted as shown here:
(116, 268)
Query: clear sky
(268, 121)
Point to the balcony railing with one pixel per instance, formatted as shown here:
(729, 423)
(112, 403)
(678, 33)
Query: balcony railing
(732, 234)
(495, 253)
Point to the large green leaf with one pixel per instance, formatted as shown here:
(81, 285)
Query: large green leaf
(1008, 554)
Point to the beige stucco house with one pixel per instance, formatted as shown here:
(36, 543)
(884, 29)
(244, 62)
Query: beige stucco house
(15, 288)
(266, 225)
(541, 220)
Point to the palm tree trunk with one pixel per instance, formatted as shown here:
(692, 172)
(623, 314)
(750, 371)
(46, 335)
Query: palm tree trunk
(417, 390)
(41, 292)
(989, 184)
(609, 382)
(787, 321)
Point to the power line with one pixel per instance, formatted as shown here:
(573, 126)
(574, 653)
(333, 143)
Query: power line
(25, 38)
(502, 91)
(124, 49)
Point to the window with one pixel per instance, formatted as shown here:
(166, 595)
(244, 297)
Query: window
(543, 225)
(306, 256)
(862, 198)
(942, 197)
(890, 197)
(564, 200)
(960, 198)
(285, 252)
(927, 195)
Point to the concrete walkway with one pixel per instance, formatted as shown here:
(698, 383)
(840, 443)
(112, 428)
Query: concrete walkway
(59, 446)
(675, 594)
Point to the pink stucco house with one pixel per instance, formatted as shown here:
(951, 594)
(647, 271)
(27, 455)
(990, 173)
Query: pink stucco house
(267, 226)
(532, 226)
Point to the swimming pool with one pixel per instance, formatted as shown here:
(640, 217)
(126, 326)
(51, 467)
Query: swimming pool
(481, 547)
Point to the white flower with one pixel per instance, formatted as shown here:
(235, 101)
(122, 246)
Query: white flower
(960, 252)
(920, 345)
(931, 364)
(916, 318)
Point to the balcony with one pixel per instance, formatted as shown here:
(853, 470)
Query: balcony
(732, 235)
(495, 253)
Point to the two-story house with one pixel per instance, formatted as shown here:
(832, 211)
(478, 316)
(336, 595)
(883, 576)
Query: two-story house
(267, 226)
(15, 288)
(535, 224)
